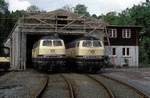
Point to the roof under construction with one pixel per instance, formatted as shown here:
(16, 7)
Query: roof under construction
(61, 21)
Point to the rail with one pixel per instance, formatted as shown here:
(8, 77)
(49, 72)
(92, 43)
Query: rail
(101, 84)
(43, 85)
(133, 88)
(71, 90)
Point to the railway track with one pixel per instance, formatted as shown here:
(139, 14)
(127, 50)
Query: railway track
(21, 85)
(58, 86)
(85, 87)
(70, 87)
(63, 86)
(101, 84)
(66, 86)
(119, 89)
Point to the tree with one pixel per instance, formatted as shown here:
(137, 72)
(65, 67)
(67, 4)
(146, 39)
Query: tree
(81, 10)
(7, 20)
(147, 0)
(94, 16)
(67, 8)
(4, 13)
(33, 9)
(111, 18)
(3, 7)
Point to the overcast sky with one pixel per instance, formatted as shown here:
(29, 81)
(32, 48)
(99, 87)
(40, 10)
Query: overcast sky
(94, 6)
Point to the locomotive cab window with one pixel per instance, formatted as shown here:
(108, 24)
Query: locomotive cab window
(47, 43)
(57, 43)
(97, 44)
(87, 43)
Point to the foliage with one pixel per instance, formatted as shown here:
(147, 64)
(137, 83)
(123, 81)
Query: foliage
(67, 8)
(3, 7)
(111, 18)
(95, 16)
(7, 20)
(4, 13)
(81, 9)
(33, 9)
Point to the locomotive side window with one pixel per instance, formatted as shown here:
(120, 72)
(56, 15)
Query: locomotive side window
(57, 43)
(97, 44)
(47, 43)
(87, 43)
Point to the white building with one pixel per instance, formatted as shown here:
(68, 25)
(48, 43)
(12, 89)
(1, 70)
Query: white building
(123, 48)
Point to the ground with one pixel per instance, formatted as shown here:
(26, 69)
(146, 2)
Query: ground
(138, 77)
(32, 84)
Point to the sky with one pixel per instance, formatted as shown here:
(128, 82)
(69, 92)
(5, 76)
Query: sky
(93, 6)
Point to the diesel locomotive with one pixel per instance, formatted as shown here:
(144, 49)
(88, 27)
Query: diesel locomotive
(48, 54)
(85, 54)
(4, 58)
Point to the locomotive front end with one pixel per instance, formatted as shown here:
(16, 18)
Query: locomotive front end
(90, 55)
(49, 55)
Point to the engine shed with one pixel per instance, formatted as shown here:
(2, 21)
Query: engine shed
(29, 29)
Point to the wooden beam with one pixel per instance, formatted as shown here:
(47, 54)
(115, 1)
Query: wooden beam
(71, 22)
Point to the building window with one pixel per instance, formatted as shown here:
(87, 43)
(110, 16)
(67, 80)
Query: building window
(125, 51)
(112, 33)
(113, 51)
(126, 33)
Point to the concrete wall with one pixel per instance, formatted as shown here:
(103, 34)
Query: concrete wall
(118, 59)
(18, 50)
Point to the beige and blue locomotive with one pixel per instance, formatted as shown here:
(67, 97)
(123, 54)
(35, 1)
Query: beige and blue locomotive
(48, 54)
(4, 58)
(85, 54)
